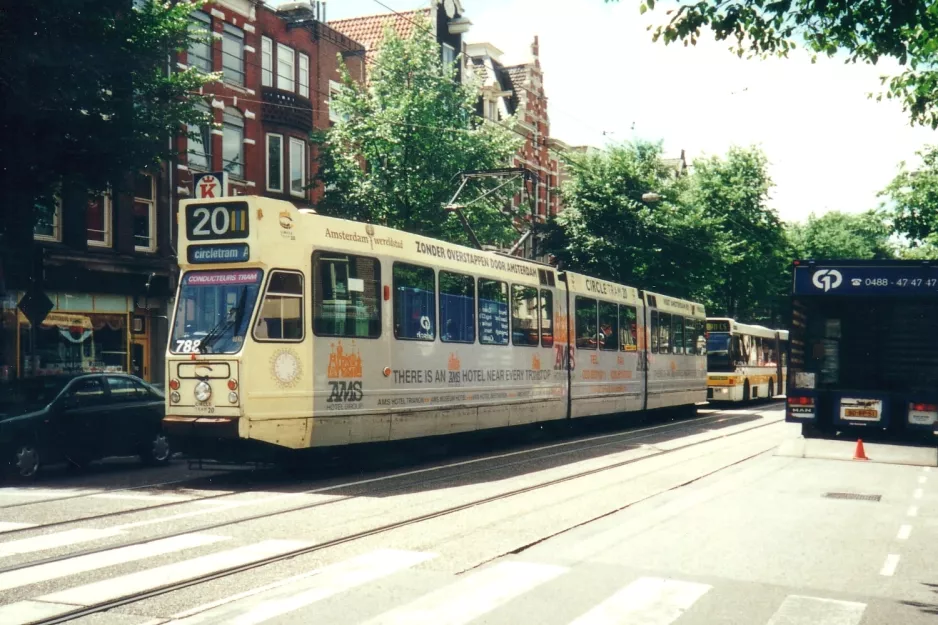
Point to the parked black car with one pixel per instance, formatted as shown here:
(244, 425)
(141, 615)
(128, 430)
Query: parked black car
(77, 419)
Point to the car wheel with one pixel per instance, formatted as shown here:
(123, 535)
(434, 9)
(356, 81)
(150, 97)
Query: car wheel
(25, 462)
(157, 450)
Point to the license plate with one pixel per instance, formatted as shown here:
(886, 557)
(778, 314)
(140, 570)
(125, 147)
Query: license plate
(859, 412)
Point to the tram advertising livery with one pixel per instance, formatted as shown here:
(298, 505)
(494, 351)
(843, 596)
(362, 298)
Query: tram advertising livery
(293, 330)
(864, 348)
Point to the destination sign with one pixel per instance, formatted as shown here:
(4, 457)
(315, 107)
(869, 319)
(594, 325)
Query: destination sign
(848, 280)
(718, 326)
(217, 221)
(225, 253)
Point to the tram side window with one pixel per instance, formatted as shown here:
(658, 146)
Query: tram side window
(608, 326)
(346, 295)
(457, 308)
(654, 332)
(281, 314)
(586, 330)
(690, 339)
(524, 315)
(664, 333)
(493, 312)
(414, 302)
(677, 334)
(628, 329)
(547, 318)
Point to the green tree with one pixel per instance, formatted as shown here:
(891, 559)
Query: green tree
(913, 199)
(864, 30)
(752, 281)
(86, 98)
(837, 235)
(612, 228)
(414, 128)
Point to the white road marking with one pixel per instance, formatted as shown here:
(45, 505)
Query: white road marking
(94, 561)
(141, 497)
(132, 583)
(913, 511)
(9, 526)
(799, 610)
(922, 479)
(926, 469)
(12, 491)
(904, 532)
(472, 596)
(918, 493)
(24, 612)
(182, 515)
(649, 601)
(889, 566)
(304, 590)
(53, 541)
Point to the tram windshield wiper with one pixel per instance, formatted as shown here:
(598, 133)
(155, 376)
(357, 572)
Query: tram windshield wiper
(231, 320)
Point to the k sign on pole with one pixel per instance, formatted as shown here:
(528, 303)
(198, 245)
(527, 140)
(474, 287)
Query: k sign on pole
(210, 185)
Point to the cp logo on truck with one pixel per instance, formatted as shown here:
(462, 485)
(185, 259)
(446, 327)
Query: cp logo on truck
(827, 279)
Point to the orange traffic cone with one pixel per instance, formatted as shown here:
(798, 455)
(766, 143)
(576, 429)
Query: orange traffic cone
(860, 453)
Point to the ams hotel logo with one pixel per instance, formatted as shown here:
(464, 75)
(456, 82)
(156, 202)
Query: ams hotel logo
(342, 366)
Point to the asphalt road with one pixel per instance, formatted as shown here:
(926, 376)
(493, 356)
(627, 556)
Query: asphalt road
(689, 522)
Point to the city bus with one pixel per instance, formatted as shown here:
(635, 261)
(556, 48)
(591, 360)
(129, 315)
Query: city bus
(744, 361)
(864, 349)
(293, 330)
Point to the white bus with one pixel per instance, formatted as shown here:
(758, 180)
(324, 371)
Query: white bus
(293, 330)
(745, 361)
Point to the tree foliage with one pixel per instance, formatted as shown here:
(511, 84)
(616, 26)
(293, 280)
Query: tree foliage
(913, 196)
(608, 230)
(415, 129)
(866, 30)
(837, 235)
(87, 97)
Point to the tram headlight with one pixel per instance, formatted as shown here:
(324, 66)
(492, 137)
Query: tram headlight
(233, 397)
(203, 391)
(175, 397)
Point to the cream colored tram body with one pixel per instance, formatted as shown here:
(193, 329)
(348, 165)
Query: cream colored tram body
(293, 330)
(744, 361)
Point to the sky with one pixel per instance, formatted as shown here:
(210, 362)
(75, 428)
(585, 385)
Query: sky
(829, 146)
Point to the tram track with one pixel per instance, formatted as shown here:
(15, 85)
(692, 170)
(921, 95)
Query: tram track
(104, 606)
(579, 445)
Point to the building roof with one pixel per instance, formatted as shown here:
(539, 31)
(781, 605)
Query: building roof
(368, 30)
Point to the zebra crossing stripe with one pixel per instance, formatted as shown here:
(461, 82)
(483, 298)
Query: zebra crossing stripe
(55, 540)
(649, 601)
(800, 610)
(9, 526)
(253, 608)
(472, 596)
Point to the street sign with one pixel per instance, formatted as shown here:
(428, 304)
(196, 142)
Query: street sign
(36, 305)
(210, 185)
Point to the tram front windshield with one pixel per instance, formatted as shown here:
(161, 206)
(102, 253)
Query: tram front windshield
(213, 310)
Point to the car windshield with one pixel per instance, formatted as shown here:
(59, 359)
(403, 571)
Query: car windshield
(213, 310)
(37, 391)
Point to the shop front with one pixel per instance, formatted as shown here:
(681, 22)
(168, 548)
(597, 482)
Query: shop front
(83, 333)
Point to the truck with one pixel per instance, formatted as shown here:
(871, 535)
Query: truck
(863, 352)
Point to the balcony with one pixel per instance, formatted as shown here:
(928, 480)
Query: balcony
(285, 108)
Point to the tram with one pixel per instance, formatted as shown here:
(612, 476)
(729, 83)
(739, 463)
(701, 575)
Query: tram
(294, 330)
(745, 361)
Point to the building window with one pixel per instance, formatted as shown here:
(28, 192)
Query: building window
(232, 48)
(334, 89)
(297, 167)
(199, 53)
(286, 67)
(275, 163)
(98, 220)
(267, 62)
(232, 142)
(304, 75)
(68, 342)
(492, 110)
(144, 213)
(200, 141)
(449, 55)
(48, 225)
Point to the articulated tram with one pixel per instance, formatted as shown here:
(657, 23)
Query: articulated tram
(745, 361)
(293, 330)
